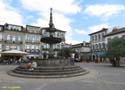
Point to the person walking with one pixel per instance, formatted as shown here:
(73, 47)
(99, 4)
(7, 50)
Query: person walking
(72, 58)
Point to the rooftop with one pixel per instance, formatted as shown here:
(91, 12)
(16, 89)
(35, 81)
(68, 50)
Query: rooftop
(116, 31)
(103, 29)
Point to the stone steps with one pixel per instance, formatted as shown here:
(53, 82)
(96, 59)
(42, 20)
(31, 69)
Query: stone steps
(47, 76)
(54, 67)
(50, 69)
(49, 72)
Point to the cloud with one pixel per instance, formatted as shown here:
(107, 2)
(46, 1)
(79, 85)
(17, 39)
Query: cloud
(61, 8)
(71, 41)
(9, 14)
(97, 27)
(64, 6)
(60, 21)
(80, 32)
(75, 33)
(104, 10)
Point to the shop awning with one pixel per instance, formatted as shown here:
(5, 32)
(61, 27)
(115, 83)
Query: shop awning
(14, 52)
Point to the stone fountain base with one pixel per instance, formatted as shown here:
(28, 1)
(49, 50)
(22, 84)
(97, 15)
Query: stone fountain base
(50, 69)
(49, 72)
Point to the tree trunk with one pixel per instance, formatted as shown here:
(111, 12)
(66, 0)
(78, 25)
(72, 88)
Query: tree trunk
(112, 60)
(118, 62)
(113, 63)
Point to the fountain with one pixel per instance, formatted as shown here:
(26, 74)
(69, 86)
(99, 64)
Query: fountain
(51, 67)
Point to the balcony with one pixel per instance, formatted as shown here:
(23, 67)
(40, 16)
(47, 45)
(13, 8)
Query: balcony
(33, 42)
(12, 42)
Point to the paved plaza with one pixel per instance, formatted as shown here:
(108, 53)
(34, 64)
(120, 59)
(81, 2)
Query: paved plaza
(101, 77)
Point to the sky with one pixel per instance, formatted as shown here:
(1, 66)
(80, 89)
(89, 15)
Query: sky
(78, 18)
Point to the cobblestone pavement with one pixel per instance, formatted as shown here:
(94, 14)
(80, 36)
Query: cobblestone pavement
(101, 77)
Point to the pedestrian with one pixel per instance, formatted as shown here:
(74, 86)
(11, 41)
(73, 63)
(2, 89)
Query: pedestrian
(34, 64)
(72, 59)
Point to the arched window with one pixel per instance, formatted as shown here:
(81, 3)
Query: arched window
(96, 46)
(99, 38)
(99, 45)
(103, 36)
(95, 38)
(103, 45)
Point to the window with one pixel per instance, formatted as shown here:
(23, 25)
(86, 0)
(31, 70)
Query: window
(99, 45)
(7, 47)
(18, 47)
(32, 47)
(47, 45)
(99, 38)
(96, 46)
(92, 38)
(103, 45)
(95, 38)
(37, 38)
(36, 47)
(19, 38)
(103, 36)
(28, 37)
(33, 38)
(27, 46)
(8, 37)
(14, 38)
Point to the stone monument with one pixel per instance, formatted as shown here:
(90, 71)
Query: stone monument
(49, 68)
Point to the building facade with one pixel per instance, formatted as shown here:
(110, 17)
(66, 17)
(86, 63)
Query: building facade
(32, 41)
(12, 37)
(115, 33)
(82, 51)
(27, 39)
(98, 45)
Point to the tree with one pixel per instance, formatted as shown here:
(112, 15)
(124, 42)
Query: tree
(66, 52)
(116, 49)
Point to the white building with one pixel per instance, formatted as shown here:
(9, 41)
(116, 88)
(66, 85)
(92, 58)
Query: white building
(20, 38)
(100, 39)
(82, 51)
(98, 46)
(32, 41)
(115, 33)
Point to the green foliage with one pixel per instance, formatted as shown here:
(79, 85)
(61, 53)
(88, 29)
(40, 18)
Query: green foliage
(116, 48)
(66, 52)
(45, 49)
